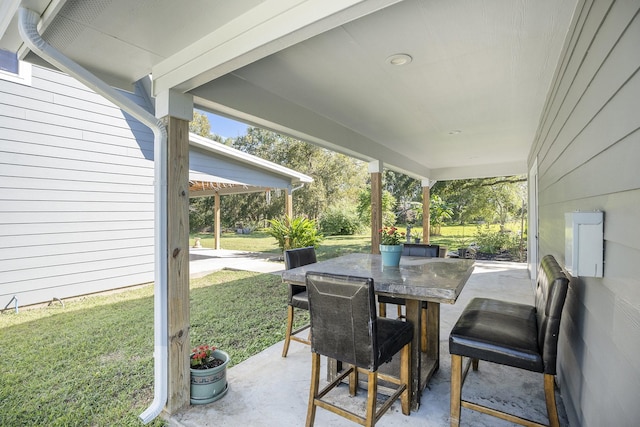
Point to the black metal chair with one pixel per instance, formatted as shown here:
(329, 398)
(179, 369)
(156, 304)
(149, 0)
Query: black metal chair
(345, 327)
(409, 249)
(297, 294)
(518, 335)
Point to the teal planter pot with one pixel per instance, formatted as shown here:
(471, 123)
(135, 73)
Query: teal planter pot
(391, 255)
(209, 385)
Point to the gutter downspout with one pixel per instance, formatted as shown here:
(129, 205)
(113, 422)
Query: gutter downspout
(297, 188)
(28, 21)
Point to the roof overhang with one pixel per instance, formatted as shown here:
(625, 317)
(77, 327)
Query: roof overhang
(217, 168)
(467, 104)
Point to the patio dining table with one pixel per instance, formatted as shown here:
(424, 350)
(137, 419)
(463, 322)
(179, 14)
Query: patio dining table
(417, 279)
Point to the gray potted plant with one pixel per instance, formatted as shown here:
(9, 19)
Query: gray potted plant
(208, 374)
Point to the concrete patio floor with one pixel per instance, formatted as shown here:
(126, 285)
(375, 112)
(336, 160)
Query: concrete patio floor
(268, 390)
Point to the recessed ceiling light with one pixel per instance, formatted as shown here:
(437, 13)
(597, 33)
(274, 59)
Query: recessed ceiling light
(399, 59)
(454, 132)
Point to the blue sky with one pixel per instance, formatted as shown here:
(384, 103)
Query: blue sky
(224, 127)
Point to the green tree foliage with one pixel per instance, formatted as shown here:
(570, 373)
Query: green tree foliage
(388, 206)
(407, 192)
(291, 233)
(487, 199)
(200, 125)
(337, 178)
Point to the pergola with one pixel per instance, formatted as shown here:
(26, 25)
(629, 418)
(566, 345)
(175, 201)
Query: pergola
(216, 170)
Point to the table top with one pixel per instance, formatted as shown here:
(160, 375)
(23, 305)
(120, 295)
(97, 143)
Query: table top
(427, 279)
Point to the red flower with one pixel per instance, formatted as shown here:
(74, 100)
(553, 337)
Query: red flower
(391, 236)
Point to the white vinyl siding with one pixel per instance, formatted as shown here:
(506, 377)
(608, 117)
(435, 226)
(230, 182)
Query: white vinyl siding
(76, 191)
(203, 166)
(588, 154)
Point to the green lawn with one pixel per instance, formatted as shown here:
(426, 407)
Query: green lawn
(259, 241)
(451, 236)
(90, 363)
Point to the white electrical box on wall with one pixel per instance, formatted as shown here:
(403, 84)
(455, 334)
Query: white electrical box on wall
(584, 243)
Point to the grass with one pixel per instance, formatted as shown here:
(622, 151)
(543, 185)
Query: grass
(90, 363)
(259, 241)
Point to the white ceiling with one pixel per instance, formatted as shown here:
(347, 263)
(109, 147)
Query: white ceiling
(468, 105)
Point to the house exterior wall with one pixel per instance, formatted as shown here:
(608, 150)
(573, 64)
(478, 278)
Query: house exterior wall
(588, 155)
(76, 191)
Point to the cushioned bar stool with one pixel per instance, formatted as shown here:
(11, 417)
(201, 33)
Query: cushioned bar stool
(344, 326)
(427, 251)
(297, 294)
(517, 335)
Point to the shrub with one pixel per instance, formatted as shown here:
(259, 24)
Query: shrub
(493, 242)
(294, 233)
(340, 221)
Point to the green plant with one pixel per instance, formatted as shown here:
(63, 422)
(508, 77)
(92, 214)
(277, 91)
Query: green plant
(439, 213)
(340, 221)
(293, 233)
(202, 357)
(391, 236)
(492, 242)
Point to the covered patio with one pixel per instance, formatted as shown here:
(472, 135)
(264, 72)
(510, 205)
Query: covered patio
(268, 390)
(436, 90)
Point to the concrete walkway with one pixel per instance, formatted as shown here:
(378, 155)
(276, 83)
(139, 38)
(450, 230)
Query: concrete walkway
(204, 261)
(268, 390)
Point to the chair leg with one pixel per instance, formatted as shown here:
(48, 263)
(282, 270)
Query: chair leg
(383, 309)
(353, 381)
(372, 393)
(456, 389)
(287, 337)
(550, 397)
(474, 364)
(423, 333)
(313, 390)
(405, 378)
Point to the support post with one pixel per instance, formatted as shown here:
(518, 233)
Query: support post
(177, 110)
(217, 229)
(426, 218)
(288, 203)
(375, 169)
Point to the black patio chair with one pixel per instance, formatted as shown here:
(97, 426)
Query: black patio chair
(507, 333)
(345, 327)
(297, 294)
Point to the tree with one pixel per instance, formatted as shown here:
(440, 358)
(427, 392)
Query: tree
(200, 124)
(486, 199)
(388, 205)
(337, 178)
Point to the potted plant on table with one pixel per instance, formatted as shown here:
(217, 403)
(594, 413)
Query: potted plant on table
(417, 236)
(391, 240)
(208, 374)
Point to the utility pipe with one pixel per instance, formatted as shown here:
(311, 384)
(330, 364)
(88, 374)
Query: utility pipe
(28, 22)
